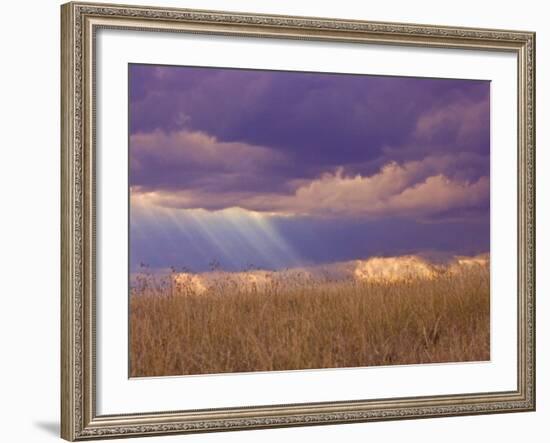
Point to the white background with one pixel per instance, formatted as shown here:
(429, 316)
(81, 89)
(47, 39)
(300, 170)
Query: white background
(29, 242)
(117, 394)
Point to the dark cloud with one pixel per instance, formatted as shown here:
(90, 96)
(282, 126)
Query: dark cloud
(363, 164)
(318, 121)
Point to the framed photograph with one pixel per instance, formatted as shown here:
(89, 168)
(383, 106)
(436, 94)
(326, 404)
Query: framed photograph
(282, 221)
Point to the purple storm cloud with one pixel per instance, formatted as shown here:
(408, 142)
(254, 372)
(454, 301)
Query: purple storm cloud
(310, 153)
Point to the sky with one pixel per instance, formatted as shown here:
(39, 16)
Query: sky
(237, 168)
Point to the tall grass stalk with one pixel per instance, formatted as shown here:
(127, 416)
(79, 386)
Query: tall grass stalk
(315, 325)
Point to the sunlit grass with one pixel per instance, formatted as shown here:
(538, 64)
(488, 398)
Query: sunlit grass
(329, 324)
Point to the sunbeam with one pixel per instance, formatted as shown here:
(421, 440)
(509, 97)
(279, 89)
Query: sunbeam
(234, 237)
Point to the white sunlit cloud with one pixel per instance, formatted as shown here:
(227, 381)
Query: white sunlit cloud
(414, 189)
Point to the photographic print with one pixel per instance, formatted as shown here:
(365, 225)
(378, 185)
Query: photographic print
(251, 239)
(303, 220)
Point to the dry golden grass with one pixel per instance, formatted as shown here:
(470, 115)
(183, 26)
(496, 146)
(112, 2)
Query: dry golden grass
(319, 325)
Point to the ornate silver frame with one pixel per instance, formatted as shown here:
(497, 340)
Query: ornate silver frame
(80, 21)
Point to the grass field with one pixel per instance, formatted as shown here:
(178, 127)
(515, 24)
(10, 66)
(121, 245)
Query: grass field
(315, 325)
